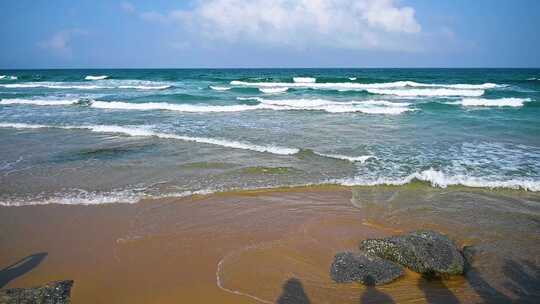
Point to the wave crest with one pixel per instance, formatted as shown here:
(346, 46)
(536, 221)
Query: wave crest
(91, 77)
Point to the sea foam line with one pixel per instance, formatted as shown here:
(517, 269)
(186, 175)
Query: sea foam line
(91, 77)
(442, 180)
(39, 102)
(219, 88)
(365, 86)
(147, 132)
(361, 159)
(500, 102)
(304, 79)
(427, 92)
(81, 87)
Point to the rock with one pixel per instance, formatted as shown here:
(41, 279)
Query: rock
(359, 267)
(424, 251)
(58, 292)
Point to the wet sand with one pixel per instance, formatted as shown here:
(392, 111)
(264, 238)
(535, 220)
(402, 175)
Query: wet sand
(264, 246)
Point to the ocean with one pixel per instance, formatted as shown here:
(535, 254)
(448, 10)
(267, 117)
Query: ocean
(120, 135)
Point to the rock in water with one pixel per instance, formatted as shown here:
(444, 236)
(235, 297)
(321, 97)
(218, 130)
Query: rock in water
(368, 270)
(425, 251)
(58, 292)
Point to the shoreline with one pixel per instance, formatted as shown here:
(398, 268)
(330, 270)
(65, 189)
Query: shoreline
(234, 247)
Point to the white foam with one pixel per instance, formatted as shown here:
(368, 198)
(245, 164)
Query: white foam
(365, 86)
(39, 102)
(49, 85)
(273, 90)
(2, 76)
(91, 77)
(367, 106)
(304, 79)
(8, 77)
(118, 105)
(440, 179)
(352, 78)
(219, 88)
(501, 102)
(148, 132)
(427, 92)
(362, 159)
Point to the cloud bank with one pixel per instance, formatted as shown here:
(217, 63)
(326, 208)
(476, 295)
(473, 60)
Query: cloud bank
(336, 24)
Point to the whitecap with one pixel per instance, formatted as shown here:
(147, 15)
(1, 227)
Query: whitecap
(39, 102)
(427, 92)
(273, 90)
(501, 102)
(304, 79)
(118, 105)
(352, 78)
(91, 77)
(219, 88)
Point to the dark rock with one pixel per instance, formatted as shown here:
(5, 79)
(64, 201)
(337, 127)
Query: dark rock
(359, 267)
(58, 292)
(427, 252)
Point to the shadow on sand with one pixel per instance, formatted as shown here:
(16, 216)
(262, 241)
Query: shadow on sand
(293, 293)
(21, 267)
(373, 295)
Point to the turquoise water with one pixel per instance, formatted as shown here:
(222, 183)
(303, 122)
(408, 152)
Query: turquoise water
(98, 136)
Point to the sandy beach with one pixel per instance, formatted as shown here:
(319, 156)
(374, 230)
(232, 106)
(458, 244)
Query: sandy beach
(245, 247)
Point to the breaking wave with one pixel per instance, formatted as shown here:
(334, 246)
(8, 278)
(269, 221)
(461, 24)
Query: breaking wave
(304, 79)
(427, 92)
(442, 180)
(218, 88)
(82, 87)
(39, 102)
(501, 102)
(148, 132)
(8, 77)
(273, 90)
(90, 77)
(361, 159)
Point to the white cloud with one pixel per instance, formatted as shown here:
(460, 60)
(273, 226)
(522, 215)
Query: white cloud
(338, 24)
(60, 42)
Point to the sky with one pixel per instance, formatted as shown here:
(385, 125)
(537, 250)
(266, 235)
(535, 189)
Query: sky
(269, 33)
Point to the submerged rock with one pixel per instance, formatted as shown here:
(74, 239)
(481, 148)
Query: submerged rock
(359, 267)
(58, 292)
(425, 251)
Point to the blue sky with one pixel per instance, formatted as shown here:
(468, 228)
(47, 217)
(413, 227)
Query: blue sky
(269, 33)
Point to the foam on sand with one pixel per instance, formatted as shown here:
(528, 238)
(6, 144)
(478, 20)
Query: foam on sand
(146, 131)
(304, 79)
(91, 77)
(501, 102)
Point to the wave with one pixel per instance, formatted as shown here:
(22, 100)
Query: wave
(362, 159)
(273, 90)
(39, 102)
(147, 132)
(304, 79)
(90, 77)
(442, 180)
(8, 77)
(365, 86)
(501, 102)
(118, 105)
(82, 87)
(352, 78)
(218, 88)
(427, 92)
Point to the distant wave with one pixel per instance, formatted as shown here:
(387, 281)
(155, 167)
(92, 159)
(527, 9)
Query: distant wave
(8, 77)
(39, 102)
(147, 132)
(427, 92)
(218, 88)
(442, 180)
(273, 90)
(352, 78)
(304, 79)
(365, 86)
(171, 107)
(90, 77)
(533, 78)
(501, 102)
(83, 87)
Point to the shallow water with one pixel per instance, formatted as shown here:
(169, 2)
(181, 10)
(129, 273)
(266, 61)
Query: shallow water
(70, 138)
